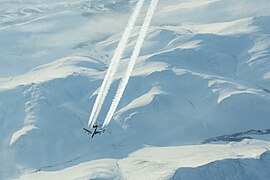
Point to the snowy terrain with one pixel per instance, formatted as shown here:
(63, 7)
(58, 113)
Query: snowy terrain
(196, 106)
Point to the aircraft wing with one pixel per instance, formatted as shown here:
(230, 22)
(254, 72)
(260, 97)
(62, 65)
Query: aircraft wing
(86, 130)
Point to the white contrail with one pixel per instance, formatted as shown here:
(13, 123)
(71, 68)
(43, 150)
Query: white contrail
(134, 57)
(114, 65)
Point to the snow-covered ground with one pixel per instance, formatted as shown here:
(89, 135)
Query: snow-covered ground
(164, 162)
(203, 76)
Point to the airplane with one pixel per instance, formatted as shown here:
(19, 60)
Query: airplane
(96, 131)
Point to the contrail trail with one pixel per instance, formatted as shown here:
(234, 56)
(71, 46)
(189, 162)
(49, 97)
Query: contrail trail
(134, 57)
(114, 65)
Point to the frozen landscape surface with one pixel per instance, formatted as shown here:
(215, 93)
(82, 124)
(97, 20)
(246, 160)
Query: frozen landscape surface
(196, 106)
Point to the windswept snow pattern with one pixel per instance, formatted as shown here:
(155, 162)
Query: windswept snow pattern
(131, 64)
(197, 99)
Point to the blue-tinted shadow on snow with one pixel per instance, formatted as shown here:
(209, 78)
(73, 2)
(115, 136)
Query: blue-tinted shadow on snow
(233, 169)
